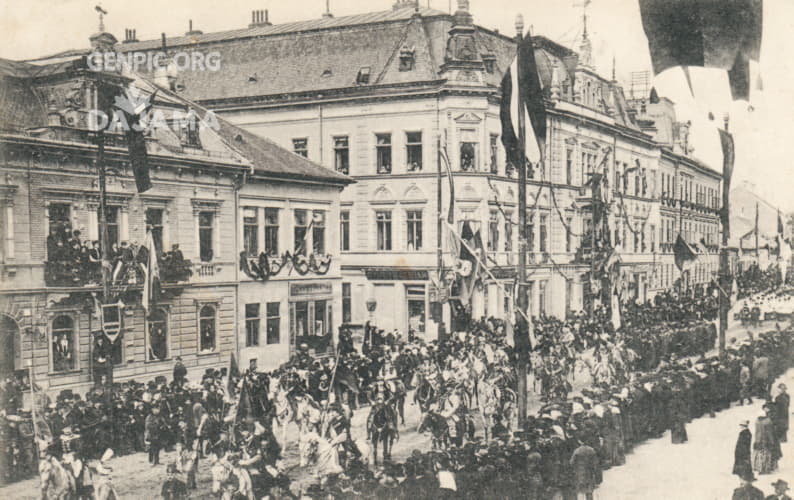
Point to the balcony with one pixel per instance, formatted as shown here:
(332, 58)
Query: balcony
(77, 266)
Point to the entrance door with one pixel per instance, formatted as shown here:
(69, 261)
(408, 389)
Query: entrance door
(8, 343)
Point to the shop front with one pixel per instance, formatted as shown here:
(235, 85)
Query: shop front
(311, 316)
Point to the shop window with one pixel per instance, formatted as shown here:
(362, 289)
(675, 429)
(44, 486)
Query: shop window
(416, 310)
(207, 329)
(157, 341)
(347, 303)
(64, 352)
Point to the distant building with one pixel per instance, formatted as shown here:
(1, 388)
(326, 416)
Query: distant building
(746, 206)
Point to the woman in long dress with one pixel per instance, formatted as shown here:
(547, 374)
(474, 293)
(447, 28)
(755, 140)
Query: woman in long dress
(766, 449)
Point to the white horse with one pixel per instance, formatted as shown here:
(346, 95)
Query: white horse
(231, 482)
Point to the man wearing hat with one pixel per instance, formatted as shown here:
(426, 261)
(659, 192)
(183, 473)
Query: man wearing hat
(173, 488)
(780, 415)
(747, 491)
(742, 464)
(780, 491)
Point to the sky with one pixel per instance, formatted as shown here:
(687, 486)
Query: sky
(763, 128)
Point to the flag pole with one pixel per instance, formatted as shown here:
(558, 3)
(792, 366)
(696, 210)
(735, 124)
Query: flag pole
(523, 324)
(726, 280)
(33, 405)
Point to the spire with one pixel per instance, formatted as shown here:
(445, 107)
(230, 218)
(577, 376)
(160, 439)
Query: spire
(585, 48)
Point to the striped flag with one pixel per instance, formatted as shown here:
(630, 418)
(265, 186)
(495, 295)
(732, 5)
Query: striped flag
(521, 81)
(151, 287)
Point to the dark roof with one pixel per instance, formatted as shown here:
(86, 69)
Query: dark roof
(325, 23)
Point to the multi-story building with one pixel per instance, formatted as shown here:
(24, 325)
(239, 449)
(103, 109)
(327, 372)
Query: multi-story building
(206, 175)
(389, 98)
(689, 193)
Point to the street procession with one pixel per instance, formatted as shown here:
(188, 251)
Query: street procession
(401, 249)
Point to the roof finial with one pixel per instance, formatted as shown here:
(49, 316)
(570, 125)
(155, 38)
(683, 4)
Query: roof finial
(102, 13)
(613, 68)
(519, 25)
(328, 9)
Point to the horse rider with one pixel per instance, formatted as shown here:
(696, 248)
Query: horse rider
(381, 405)
(261, 451)
(70, 444)
(453, 408)
(335, 428)
(380, 389)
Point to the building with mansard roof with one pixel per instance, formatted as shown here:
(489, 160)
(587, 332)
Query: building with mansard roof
(387, 98)
(202, 169)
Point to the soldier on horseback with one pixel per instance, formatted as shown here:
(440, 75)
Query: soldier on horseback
(454, 409)
(260, 452)
(382, 427)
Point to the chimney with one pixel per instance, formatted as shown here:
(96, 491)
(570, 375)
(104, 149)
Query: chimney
(191, 31)
(327, 14)
(129, 36)
(165, 74)
(260, 18)
(405, 4)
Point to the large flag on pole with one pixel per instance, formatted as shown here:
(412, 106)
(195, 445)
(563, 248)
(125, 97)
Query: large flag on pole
(683, 253)
(134, 107)
(151, 287)
(521, 81)
(724, 34)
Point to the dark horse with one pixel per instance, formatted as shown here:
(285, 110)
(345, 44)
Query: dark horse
(438, 427)
(425, 394)
(382, 427)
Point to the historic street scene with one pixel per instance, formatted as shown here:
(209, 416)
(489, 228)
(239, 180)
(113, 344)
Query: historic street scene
(398, 249)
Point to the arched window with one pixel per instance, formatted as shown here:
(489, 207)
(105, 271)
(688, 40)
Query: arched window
(157, 340)
(207, 341)
(64, 353)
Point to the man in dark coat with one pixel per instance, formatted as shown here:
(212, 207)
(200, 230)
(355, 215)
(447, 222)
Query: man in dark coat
(780, 491)
(173, 488)
(154, 428)
(180, 372)
(742, 456)
(586, 470)
(780, 415)
(747, 491)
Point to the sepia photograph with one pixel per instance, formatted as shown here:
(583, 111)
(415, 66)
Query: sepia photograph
(396, 249)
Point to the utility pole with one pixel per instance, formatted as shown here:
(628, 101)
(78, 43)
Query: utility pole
(522, 326)
(725, 278)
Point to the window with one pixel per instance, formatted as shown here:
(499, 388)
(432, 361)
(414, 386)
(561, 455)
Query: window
(494, 153)
(383, 153)
(542, 285)
(154, 225)
(300, 231)
(252, 325)
(190, 131)
(406, 59)
(250, 231)
(569, 235)
(207, 329)
(347, 303)
(544, 229)
(342, 154)
(300, 146)
(273, 323)
(271, 231)
(414, 222)
(60, 224)
(383, 222)
(64, 354)
(321, 323)
(362, 78)
(318, 232)
(344, 230)
(413, 151)
(112, 221)
(568, 165)
(206, 221)
(493, 231)
(468, 156)
(157, 324)
(508, 231)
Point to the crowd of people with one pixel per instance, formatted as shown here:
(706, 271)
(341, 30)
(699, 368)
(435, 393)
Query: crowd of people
(75, 261)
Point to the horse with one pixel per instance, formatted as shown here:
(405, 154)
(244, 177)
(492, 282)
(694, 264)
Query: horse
(425, 393)
(230, 482)
(398, 391)
(438, 427)
(56, 482)
(382, 427)
(284, 413)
